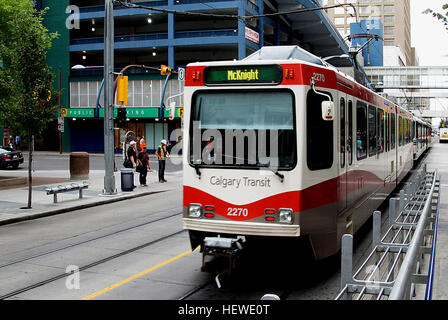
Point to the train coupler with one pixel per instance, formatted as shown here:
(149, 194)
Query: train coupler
(220, 254)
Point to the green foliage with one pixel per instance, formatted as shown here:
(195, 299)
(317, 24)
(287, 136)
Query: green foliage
(440, 16)
(27, 99)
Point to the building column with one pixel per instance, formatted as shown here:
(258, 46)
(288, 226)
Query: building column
(260, 29)
(277, 31)
(241, 31)
(171, 35)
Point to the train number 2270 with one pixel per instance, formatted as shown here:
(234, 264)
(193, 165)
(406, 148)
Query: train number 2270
(319, 77)
(237, 212)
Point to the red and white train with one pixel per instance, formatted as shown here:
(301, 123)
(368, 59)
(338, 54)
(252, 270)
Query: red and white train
(340, 150)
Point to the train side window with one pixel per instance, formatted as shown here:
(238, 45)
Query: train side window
(380, 127)
(319, 134)
(372, 131)
(393, 130)
(387, 137)
(419, 135)
(400, 131)
(361, 130)
(413, 130)
(350, 133)
(342, 126)
(408, 131)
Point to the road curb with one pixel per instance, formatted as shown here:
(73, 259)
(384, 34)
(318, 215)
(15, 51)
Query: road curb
(13, 181)
(79, 207)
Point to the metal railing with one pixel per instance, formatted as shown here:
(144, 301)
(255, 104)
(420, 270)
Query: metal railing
(159, 36)
(393, 270)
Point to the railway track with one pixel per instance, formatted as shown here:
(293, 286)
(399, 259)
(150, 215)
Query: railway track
(92, 264)
(80, 242)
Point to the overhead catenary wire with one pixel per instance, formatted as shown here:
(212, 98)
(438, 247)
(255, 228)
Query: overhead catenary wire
(217, 15)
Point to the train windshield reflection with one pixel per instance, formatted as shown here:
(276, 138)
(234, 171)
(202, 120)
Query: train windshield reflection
(243, 128)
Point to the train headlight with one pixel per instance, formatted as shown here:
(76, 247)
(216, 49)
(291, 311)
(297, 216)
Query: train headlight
(195, 210)
(285, 216)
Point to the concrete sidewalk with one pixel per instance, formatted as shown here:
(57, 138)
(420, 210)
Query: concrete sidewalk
(14, 198)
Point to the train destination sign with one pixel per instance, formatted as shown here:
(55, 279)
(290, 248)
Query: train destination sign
(243, 75)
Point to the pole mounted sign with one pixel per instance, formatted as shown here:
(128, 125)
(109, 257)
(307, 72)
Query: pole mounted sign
(252, 35)
(62, 114)
(181, 74)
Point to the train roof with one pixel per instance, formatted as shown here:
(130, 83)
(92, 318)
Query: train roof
(265, 55)
(284, 53)
(294, 54)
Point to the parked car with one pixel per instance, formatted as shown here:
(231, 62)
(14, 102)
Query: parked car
(10, 157)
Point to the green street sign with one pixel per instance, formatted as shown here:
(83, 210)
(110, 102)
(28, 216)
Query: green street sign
(149, 112)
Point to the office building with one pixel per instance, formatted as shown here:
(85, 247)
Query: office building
(394, 15)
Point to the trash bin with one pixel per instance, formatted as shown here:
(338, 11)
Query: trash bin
(127, 179)
(79, 166)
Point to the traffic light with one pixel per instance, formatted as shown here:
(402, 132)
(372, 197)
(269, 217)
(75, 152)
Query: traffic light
(121, 117)
(122, 90)
(165, 70)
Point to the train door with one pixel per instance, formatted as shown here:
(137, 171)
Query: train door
(343, 154)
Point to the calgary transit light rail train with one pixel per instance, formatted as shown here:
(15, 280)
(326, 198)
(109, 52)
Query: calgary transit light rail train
(340, 150)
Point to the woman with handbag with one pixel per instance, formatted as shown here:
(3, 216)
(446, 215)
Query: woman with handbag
(143, 166)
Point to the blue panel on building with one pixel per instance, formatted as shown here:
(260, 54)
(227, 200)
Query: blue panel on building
(87, 137)
(373, 52)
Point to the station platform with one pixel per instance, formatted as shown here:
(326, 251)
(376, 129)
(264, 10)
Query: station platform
(14, 196)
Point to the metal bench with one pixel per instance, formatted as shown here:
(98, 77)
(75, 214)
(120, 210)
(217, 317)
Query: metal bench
(67, 188)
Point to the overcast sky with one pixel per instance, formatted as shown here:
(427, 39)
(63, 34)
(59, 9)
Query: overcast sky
(428, 34)
(430, 38)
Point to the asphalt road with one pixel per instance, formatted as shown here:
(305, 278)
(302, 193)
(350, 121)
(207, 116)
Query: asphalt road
(55, 161)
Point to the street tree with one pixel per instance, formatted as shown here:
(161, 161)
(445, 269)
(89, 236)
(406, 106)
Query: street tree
(28, 101)
(440, 16)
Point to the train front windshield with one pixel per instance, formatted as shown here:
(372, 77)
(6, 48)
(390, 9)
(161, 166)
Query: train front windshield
(249, 129)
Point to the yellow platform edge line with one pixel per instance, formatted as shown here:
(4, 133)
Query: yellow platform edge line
(96, 294)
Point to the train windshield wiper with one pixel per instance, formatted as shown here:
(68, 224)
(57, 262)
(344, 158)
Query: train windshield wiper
(196, 167)
(275, 171)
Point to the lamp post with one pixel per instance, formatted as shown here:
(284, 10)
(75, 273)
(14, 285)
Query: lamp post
(109, 178)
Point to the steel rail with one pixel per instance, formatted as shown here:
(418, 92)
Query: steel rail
(87, 240)
(90, 265)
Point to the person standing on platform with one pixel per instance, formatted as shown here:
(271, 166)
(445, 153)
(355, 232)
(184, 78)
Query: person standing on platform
(132, 154)
(142, 142)
(161, 155)
(143, 166)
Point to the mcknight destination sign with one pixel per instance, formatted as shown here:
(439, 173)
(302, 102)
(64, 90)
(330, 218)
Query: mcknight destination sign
(266, 74)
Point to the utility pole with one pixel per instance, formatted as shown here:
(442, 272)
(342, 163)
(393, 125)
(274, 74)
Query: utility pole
(109, 178)
(60, 106)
